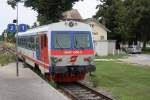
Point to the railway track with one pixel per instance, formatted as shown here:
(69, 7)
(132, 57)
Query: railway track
(79, 91)
(6, 50)
(11, 50)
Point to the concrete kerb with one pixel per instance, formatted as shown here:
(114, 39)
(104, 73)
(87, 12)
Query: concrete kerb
(105, 59)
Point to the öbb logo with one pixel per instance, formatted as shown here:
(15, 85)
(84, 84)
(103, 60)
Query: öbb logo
(73, 59)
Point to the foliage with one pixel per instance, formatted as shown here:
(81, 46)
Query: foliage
(127, 19)
(6, 58)
(115, 16)
(123, 80)
(10, 36)
(1, 38)
(139, 15)
(48, 10)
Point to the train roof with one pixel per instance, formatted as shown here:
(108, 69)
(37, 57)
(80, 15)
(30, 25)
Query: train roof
(59, 26)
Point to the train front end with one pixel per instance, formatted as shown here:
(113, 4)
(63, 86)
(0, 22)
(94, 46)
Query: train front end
(72, 53)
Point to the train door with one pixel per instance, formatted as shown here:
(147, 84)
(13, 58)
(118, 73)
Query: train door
(43, 42)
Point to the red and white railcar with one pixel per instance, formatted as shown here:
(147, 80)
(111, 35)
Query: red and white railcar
(64, 51)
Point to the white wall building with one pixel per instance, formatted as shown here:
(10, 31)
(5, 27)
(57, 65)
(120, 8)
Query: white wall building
(99, 30)
(103, 46)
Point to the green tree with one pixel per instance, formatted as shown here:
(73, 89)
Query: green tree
(10, 36)
(139, 16)
(127, 19)
(115, 14)
(48, 10)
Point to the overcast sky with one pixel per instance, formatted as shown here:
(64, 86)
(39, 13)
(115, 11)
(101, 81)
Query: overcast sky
(28, 16)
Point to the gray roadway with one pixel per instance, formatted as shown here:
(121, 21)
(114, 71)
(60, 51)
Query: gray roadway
(141, 59)
(28, 86)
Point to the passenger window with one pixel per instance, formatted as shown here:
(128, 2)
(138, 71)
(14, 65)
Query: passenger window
(36, 42)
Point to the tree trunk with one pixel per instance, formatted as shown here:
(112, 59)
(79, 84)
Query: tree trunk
(144, 45)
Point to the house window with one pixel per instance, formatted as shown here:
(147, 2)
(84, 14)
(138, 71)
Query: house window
(102, 37)
(95, 33)
(92, 25)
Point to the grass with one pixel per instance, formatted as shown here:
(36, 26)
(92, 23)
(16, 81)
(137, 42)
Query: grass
(10, 45)
(6, 59)
(117, 56)
(124, 81)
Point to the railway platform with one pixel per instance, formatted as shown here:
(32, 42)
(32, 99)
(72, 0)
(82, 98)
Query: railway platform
(28, 86)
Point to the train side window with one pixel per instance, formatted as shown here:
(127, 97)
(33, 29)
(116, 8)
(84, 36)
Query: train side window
(21, 41)
(18, 41)
(27, 42)
(36, 42)
(24, 42)
(32, 41)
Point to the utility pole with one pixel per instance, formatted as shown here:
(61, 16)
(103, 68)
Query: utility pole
(17, 67)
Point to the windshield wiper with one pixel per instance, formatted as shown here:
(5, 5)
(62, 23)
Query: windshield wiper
(77, 44)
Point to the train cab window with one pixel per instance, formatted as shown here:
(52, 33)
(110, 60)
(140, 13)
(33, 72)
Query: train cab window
(62, 41)
(32, 42)
(82, 40)
(19, 41)
(25, 42)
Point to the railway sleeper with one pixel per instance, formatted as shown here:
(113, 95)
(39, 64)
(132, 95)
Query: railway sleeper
(89, 98)
(78, 90)
(74, 88)
(85, 95)
(85, 92)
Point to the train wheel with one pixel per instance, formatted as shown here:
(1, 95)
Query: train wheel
(24, 61)
(48, 76)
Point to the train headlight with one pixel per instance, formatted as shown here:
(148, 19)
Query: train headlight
(89, 60)
(55, 60)
(71, 23)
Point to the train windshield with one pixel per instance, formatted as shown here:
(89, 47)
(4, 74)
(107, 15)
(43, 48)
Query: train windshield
(82, 41)
(62, 41)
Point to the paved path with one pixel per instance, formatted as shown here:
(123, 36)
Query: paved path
(142, 59)
(28, 86)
